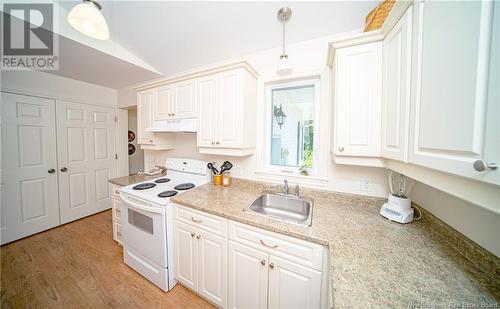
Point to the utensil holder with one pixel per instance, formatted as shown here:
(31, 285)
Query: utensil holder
(217, 180)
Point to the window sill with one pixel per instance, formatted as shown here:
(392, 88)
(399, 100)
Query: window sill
(309, 181)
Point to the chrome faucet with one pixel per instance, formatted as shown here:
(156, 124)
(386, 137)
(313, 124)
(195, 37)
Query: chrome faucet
(285, 187)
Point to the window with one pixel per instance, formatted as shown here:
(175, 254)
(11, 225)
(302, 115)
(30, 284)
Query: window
(293, 108)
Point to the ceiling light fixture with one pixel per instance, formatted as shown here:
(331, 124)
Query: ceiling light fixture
(284, 68)
(87, 18)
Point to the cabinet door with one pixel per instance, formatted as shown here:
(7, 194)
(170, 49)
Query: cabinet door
(29, 189)
(292, 285)
(450, 86)
(163, 103)
(212, 267)
(358, 88)
(248, 269)
(396, 89)
(229, 106)
(185, 99)
(185, 254)
(145, 116)
(207, 100)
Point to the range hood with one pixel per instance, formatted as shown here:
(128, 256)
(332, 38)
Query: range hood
(174, 125)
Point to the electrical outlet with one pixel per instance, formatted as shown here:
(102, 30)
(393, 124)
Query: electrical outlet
(364, 184)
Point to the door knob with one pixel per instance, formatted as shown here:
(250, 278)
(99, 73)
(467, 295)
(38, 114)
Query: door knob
(51, 171)
(64, 169)
(481, 165)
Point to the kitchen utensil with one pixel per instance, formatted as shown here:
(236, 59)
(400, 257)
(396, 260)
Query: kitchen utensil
(226, 166)
(398, 207)
(213, 168)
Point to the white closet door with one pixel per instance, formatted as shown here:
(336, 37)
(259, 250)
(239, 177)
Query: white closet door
(85, 148)
(29, 166)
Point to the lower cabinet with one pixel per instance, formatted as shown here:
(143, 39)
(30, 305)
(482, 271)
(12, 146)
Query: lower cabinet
(247, 267)
(200, 262)
(117, 213)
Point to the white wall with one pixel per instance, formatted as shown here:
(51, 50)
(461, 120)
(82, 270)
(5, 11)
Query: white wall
(477, 223)
(57, 87)
(308, 57)
(127, 97)
(136, 160)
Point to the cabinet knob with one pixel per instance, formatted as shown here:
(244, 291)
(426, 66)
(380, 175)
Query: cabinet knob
(341, 149)
(64, 169)
(173, 114)
(481, 165)
(192, 234)
(198, 236)
(51, 171)
(117, 191)
(119, 234)
(118, 210)
(217, 142)
(213, 142)
(271, 265)
(263, 262)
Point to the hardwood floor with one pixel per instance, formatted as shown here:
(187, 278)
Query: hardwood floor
(78, 265)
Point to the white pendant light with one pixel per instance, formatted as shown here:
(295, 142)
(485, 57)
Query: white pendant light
(87, 18)
(284, 67)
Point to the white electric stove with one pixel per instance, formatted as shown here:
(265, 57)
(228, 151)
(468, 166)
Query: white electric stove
(147, 224)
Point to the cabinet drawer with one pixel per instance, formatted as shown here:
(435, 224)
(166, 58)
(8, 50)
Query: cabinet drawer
(117, 232)
(208, 222)
(292, 249)
(116, 191)
(117, 208)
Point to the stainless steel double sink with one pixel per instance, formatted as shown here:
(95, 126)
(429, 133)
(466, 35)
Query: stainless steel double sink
(285, 207)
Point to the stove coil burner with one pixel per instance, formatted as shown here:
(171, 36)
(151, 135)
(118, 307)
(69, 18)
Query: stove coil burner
(184, 186)
(168, 193)
(162, 180)
(144, 186)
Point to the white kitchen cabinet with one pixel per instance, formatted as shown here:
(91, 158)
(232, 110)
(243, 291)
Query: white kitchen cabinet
(227, 113)
(292, 285)
(450, 100)
(163, 102)
(185, 105)
(357, 100)
(248, 277)
(200, 260)
(145, 101)
(396, 77)
(146, 109)
(116, 212)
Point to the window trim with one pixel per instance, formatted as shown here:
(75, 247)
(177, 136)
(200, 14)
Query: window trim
(278, 84)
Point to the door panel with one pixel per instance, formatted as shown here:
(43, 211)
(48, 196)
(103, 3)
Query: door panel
(163, 103)
(293, 286)
(212, 266)
(247, 285)
(450, 86)
(29, 193)
(207, 100)
(228, 108)
(85, 135)
(185, 254)
(145, 107)
(185, 99)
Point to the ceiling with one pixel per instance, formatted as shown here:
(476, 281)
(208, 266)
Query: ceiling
(176, 36)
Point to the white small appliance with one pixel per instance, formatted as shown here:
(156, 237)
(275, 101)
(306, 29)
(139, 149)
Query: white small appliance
(398, 207)
(147, 219)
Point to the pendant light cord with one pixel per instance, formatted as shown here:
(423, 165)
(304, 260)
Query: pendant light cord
(283, 38)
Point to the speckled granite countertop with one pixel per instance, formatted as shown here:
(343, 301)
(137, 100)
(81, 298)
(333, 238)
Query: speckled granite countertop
(373, 262)
(128, 180)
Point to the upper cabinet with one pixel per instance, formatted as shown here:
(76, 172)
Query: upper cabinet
(227, 113)
(454, 58)
(357, 100)
(175, 101)
(396, 74)
(146, 109)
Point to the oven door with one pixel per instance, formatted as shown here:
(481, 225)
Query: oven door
(144, 229)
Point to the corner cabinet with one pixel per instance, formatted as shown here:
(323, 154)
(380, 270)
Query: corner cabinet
(455, 102)
(357, 101)
(145, 115)
(396, 77)
(227, 103)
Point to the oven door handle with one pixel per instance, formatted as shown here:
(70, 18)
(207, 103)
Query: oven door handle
(156, 210)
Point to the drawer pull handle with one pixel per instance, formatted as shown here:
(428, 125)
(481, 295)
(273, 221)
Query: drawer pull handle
(271, 265)
(269, 246)
(263, 262)
(196, 220)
